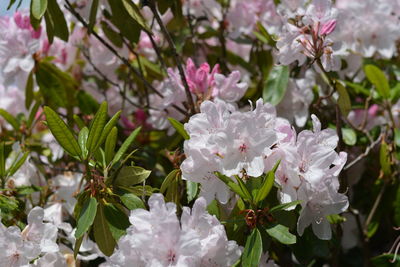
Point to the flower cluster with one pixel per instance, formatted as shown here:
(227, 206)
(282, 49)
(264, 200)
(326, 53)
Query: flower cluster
(158, 238)
(225, 140)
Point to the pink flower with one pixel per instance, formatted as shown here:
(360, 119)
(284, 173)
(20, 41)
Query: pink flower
(200, 80)
(328, 27)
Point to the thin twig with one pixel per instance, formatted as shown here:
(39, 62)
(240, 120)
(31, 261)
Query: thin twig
(363, 155)
(175, 55)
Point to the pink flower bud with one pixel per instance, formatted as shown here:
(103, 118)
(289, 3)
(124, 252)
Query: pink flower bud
(328, 27)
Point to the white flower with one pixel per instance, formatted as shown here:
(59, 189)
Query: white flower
(157, 238)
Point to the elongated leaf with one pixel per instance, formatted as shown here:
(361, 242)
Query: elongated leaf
(132, 201)
(58, 20)
(49, 27)
(62, 133)
(82, 140)
(267, 185)
(2, 160)
(252, 250)
(86, 217)
(168, 180)
(102, 234)
(191, 190)
(107, 129)
(244, 188)
(135, 13)
(179, 128)
(131, 175)
(344, 101)
(93, 14)
(276, 84)
(29, 91)
(285, 206)
(378, 79)
(112, 35)
(96, 127)
(38, 7)
(117, 220)
(77, 246)
(282, 234)
(233, 186)
(79, 122)
(10, 119)
(111, 141)
(14, 168)
(125, 146)
(384, 159)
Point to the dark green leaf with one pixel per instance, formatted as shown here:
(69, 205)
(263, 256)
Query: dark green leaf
(135, 13)
(384, 158)
(343, 100)
(285, 206)
(131, 175)
(117, 220)
(49, 27)
(10, 119)
(252, 250)
(86, 217)
(58, 20)
(29, 91)
(267, 185)
(389, 260)
(191, 190)
(282, 234)
(102, 233)
(96, 127)
(38, 7)
(93, 14)
(112, 35)
(179, 128)
(107, 129)
(125, 146)
(82, 140)
(111, 141)
(14, 168)
(378, 79)
(131, 201)
(168, 180)
(62, 133)
(77, 246)
(233, 186)
(276, 84)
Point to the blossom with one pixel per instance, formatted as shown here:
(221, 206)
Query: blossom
(158, 238)
(19, 248)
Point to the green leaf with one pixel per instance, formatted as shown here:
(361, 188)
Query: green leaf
(58, 20)
(372, 228)
(77, 246)
(14, 168)
(62, 133)
(267, 185)
(389, 260)
(117, 220)
(93, 14)
(107, 129)
(79, 122)
(96, 128)
(112, 35)
(397, 137)
(378, 79)
(244, 189)
(168, 180)
(49, 27)
(179, 128)
(343, 100)
(29, 91)
(102, 233)
(2, 160)
(349, 136)
(32, 114)
(86, 217)
(10, 119)
(282, 234)
(135, 13)
(82, 141)
(284, 206)
(125, 146)
(38, 7)
(111, 141)
(191, 190)
(132, 201)
(233, 186)
(252, 250)
(131, 175)
(384, 158)
(276, 84)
